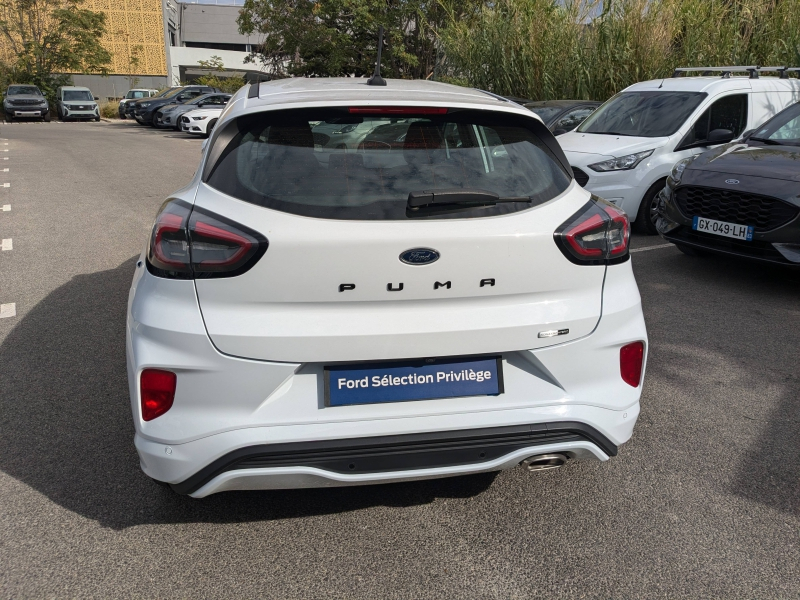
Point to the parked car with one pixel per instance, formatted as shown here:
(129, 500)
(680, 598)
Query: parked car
(170, 114)
(295, 322)
(201, 121)
(134, 94)
(625, 150)
(741, 199)
(562, 116)
(74, 102)
(145, 109)
(129, 105)
(25, 101)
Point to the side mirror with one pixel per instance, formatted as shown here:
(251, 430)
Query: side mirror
(97, 98)
(720, 136)
(560, 131)
(200, 105)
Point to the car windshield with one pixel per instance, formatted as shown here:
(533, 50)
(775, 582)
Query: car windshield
(315, 162)
(19, 90)
(643, 114)
(136, 94)
(169, 92)
(782, 129)
(79, 95)
(545, 112)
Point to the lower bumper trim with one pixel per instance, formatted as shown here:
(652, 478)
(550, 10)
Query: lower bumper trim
(400, 453)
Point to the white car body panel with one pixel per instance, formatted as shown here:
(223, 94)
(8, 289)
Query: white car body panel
(249, 351)
(197, 126)
(626, 188)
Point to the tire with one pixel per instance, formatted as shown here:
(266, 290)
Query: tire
(9, 118)
(690, 250)
(60, 116)
(46, 117)
(645, 219)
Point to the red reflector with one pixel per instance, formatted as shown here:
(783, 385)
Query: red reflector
(631, 357)
(157, 392)
(398, 110)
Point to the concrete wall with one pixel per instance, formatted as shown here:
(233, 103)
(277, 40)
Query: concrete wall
(210, 23)
(182, 57)
(116, 86)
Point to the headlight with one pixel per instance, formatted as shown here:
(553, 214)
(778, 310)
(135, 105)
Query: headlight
(198, 118)
(145, 104)
(677, 171)
(623, 163)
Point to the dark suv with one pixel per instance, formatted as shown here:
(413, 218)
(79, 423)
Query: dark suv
(25, 101)
(145, 109)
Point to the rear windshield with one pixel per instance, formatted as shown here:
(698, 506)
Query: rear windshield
(137, 94)
(330, 164)
(643, 114)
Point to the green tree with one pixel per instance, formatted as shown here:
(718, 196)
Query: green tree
(215, 65)
(47, 38)
(339, 37)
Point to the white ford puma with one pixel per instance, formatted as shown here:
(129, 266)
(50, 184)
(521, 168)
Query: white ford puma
(442, 299)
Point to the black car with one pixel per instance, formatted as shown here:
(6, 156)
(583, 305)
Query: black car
(740, 199)
(145, 109)
(562, 116)
(129, 105)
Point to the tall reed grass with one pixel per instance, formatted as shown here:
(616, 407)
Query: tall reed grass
(591, 49)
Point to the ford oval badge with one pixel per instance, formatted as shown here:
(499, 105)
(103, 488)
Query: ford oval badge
(732, 181)
(419, 256)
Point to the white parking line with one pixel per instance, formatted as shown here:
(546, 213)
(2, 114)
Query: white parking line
(5, 170)
(6, 244)
(6, 185)
(6, 207)
(8, 310)
(653, 247)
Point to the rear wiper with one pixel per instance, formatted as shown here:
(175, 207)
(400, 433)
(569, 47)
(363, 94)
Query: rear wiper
(459, 196)
(765, 141)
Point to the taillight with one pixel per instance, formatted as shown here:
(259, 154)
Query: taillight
(597, 234)
(631, 357)
(189, 242)
(168, 250)
(157, 390)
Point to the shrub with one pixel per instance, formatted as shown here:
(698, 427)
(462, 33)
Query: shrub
(591, 49)
(109, 110)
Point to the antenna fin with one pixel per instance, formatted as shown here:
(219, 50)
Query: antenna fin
(376, 78)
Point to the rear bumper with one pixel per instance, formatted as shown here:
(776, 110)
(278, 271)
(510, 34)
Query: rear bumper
(229, 409)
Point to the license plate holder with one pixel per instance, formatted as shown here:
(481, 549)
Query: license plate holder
(408, 380)
(723, 228)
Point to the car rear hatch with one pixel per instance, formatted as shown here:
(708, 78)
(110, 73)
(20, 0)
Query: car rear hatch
(337, 282)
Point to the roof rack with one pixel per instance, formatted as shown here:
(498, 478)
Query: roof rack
(726, 72)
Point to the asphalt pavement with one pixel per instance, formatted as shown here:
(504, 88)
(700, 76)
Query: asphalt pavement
(703, 502)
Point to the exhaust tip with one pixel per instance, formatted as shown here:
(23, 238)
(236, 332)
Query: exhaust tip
(543, 462)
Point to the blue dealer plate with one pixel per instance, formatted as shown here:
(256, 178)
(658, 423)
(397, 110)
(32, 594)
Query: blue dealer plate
(413, 380)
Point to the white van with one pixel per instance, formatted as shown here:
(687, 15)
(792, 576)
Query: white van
(624, 151)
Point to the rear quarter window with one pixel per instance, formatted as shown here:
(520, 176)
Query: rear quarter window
(330, 164)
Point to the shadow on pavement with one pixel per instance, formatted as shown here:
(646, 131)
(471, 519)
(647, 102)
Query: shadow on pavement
(66, 428)
(724, 344)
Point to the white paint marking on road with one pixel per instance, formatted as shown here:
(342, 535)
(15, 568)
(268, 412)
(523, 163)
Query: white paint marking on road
(6, 185)
(6, 245)
(6, 207)
(5, 170)
(653, 247)
(8, 310)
